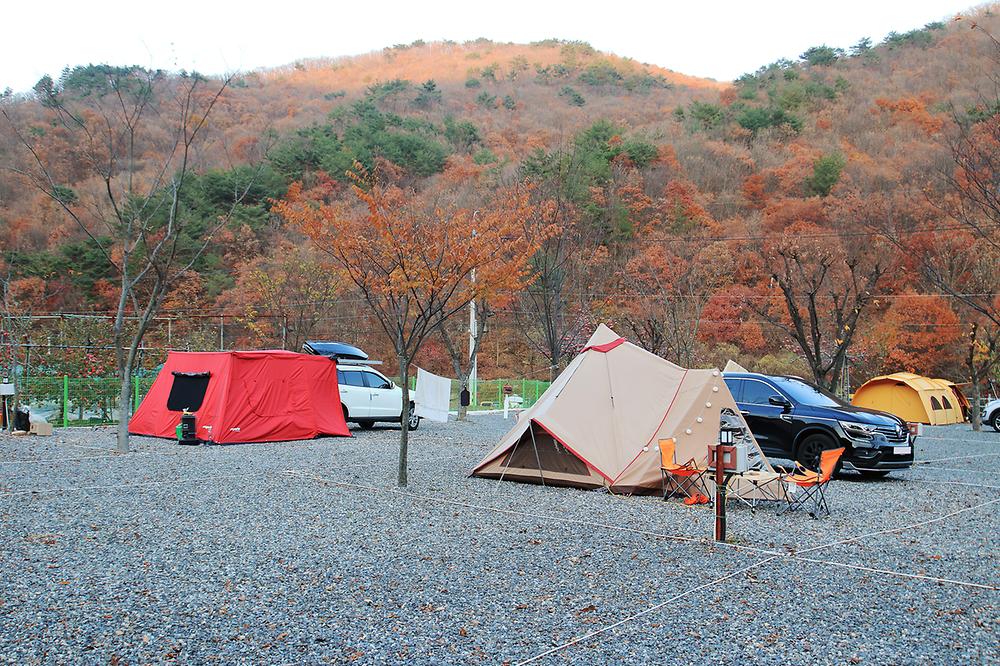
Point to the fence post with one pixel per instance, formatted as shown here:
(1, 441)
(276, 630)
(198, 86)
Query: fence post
(135, 398)
(65, 401)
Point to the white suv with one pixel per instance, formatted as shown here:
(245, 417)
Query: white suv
(991, 414)
(369, 396)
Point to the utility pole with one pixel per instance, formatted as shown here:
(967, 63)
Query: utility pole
(473, 332)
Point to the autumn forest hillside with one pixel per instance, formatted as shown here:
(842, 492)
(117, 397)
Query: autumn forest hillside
(812, 217)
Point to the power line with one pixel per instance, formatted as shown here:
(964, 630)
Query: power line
(825, 234)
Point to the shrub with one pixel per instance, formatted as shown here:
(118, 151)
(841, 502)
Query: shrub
(821, 55)
(573, 98)
(826, 173)
(485, 156)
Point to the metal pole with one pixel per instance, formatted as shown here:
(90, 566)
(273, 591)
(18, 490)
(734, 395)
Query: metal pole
(720, 495)
(65, 401)
(222, 328)
(473, 332)
(538, 461)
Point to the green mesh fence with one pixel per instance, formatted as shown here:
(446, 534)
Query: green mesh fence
(79, 401)
(489, 393)
(82, 401)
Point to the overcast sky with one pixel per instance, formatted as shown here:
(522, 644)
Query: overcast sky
(721, 39)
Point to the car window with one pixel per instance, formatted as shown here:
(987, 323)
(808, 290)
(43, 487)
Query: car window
(736, 388)
(804, 393)
(757, 393)
(374, 381)
(340, 377)
(353, 379)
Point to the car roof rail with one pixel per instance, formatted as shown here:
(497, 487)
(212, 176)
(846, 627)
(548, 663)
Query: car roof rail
(352, 361)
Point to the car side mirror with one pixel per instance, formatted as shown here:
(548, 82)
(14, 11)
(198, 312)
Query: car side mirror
(779, 401)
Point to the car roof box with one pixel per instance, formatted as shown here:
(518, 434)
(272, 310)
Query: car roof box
(337, 350)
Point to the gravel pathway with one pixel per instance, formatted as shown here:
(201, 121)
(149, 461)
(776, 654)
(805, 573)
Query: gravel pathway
(306, 552)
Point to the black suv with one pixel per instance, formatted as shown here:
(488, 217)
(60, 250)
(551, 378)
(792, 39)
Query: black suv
(791, 418)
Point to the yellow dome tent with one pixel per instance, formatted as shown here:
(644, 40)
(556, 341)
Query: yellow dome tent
(912, 398)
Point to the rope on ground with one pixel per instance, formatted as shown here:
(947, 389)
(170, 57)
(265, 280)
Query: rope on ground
(939, 482)
(649, 533)
(993, 471)
(141, 484)
(651, 609)
(120, 456)
(485, 507)
(893, 530)
(933, 579)
(934, 460)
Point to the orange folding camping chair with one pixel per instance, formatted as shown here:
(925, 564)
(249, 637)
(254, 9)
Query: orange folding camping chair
(810, 486)
(684, 478)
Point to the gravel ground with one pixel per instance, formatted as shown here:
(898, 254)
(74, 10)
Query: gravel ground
(305, 552)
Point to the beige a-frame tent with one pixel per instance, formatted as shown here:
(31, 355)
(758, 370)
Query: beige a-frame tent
(599, 423)
(733, 366)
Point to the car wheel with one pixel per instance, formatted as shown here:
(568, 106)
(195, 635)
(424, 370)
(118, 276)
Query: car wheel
(873, 474)
(366, 424)
(995, 420)
(412, 420)
(345, 413)
(810, 449)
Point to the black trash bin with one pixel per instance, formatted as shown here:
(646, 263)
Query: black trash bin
(22, 419)
(189, 431)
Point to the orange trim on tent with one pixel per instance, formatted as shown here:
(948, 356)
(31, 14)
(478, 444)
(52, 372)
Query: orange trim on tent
(567, 447)
(659, 425)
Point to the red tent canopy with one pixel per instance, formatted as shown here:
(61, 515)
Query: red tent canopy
(253, 396)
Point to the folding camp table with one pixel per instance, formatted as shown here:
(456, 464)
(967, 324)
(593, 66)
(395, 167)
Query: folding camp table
(755, 486)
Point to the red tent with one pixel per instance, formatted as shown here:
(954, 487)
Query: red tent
(253, 396)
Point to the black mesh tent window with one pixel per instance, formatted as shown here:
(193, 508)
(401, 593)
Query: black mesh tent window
(188, 391)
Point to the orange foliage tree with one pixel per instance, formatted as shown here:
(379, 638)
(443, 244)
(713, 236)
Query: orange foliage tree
(919, 333)
(285, 296)
(412, 260)
(665, 292)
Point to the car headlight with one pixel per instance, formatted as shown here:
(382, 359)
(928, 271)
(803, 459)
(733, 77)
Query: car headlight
(857, 430)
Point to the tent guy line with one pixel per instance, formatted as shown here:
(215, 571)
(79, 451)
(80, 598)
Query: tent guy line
(934, 460)
(959, 469)
(181, 480)
(953, 483)
(755, 565)
(795, 555)
(119, 456)
(141, 484)
(896, 530)
(486, 507)
(647, 611)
